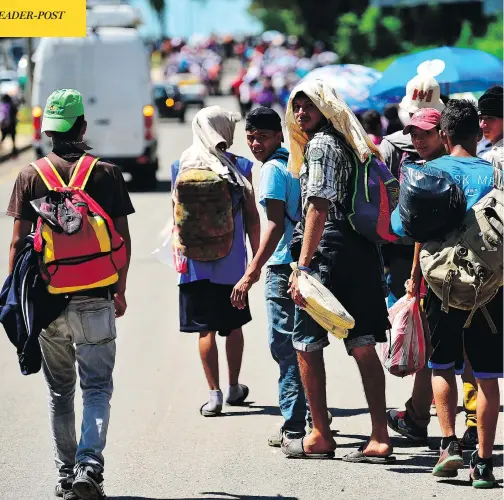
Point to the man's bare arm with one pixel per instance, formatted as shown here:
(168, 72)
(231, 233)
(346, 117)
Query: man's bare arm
(22, 228)
(122, 227)
(252, 220)
(314, 228)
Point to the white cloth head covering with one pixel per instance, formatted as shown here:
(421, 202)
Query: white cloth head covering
(213, 126)
(337, 112)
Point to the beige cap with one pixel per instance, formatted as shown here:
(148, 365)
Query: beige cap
(422, 92)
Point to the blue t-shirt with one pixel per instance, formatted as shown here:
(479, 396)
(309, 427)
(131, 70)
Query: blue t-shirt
(277, 183)
(229, 269)
(473, 175)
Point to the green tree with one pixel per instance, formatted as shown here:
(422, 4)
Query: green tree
(317, 19)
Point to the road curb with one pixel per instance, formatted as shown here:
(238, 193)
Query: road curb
(8, 156)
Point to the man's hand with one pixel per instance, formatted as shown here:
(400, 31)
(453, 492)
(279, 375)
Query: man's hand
(240, 291)
(413, 287)
(294, 290)
(120, 304)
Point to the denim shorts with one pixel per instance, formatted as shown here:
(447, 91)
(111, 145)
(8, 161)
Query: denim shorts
(351, 267)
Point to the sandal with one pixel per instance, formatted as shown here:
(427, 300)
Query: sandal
(294, 449)
(358, 457)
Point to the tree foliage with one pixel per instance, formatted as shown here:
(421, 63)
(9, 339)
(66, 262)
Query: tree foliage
(360, 33)
(315, 19)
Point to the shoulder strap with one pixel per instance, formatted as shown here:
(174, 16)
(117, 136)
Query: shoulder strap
(82, 171)
(48, 173)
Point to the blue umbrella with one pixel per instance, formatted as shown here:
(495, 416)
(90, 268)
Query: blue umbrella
(466, 70)
(352, 82)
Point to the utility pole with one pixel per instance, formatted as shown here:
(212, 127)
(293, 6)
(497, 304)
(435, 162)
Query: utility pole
(29, 72)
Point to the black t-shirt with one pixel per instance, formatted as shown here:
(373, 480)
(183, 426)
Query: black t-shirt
(106, 185)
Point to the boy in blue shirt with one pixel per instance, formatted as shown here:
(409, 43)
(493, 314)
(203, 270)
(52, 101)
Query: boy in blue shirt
(280, 195)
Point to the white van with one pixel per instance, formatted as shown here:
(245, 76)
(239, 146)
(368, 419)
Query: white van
(110, 67)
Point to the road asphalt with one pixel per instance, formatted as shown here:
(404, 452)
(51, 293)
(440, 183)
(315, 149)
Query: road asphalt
(159, 447)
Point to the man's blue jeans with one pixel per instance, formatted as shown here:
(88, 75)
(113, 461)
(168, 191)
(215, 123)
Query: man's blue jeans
(281, 313)
(84, 333)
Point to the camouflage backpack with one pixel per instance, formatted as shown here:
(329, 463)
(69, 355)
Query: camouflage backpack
(203, 214)
(465, 270)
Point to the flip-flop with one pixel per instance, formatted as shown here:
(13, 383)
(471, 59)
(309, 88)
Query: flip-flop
(358, 457)
(294, 449)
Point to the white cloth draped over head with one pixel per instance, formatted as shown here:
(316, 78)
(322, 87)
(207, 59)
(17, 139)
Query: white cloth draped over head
(337, 111)
(213, 126)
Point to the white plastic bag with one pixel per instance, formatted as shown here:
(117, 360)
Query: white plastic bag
(169, 254)
(404, 352)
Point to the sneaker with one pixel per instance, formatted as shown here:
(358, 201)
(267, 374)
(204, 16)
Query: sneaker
(64, 490)
(275, 441)
(88, 485)
(470, 438)
(237, 394)
(481, 474)
(450, 461)
(402, 423)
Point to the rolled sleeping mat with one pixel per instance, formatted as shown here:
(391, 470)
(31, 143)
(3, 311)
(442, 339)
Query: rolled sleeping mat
(323, 306)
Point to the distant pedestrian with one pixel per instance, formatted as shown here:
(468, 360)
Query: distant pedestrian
(391, 113)
(85, 331)
(213, 265)
(490, 111)
(371, 121)
(8, 120)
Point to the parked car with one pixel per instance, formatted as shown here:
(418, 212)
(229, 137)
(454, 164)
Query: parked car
(169, 101)
(193, 90)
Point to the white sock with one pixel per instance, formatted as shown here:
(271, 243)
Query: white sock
(216, 397)
(214, 401)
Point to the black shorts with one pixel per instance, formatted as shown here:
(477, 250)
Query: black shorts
(206, 307)
(350, 266)
(449, 338)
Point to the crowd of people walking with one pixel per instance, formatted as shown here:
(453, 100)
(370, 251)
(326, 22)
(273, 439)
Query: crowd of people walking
(305, 192)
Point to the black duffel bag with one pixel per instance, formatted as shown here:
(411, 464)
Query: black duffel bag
(431, 203)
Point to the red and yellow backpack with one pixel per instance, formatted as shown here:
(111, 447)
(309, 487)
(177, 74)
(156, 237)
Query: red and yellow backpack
(78, 244)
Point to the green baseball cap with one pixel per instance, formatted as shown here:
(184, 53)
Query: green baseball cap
(62, 109)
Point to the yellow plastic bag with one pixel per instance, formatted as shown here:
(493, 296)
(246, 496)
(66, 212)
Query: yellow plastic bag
(323, 306)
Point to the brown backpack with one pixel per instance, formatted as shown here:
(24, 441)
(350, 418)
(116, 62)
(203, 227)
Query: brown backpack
(465, 270)
(204, 215)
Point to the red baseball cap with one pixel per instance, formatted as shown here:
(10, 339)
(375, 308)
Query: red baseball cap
(425, 118)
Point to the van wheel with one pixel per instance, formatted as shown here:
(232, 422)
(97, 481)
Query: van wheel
(182, 118)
